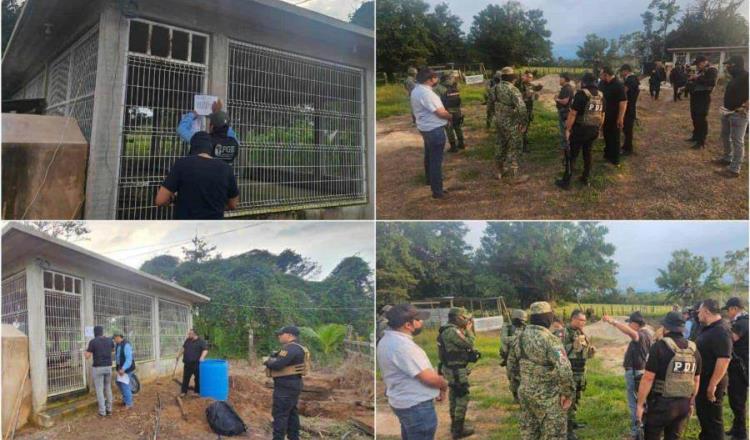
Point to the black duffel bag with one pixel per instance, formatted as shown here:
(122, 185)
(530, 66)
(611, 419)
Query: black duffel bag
(223, 419)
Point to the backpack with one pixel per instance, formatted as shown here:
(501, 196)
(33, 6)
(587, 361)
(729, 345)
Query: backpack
(223, 419)
(594, 114)
(679, 380)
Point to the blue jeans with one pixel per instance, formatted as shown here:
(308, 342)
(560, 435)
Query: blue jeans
(562, 117)
(418, 422)
(127, 394)
(434, 144)
(631, 377)
(733, 128)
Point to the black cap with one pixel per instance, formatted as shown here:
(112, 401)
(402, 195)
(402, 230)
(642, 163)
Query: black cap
(290, 330)
(218, 119)
(425, 74)
(736, 60)
(201, 142)
(400, 314)
(673, 322)
(98, 330)
(636, 317)
(588, 79)
(734, 302)
(699, 59)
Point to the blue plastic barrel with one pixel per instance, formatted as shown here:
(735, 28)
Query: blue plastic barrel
(214, 378)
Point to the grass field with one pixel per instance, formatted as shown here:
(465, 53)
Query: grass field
(392, 98)
(603, 406)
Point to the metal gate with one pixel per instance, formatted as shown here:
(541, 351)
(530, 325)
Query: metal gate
(14, 302)
(166, 67)
(301, 129)
(64, 343)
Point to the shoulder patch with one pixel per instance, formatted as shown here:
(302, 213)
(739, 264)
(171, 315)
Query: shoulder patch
(283, 353)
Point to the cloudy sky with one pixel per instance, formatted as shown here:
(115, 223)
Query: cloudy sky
(643, 247)
(326, 243)
(570, 20)
(340, 9)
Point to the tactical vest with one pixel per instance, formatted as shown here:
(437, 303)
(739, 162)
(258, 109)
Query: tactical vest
(697, 87)
(680, 378)
(451, 98)
(594, 113)
(578, 362)
(451, 358)
(290, 370)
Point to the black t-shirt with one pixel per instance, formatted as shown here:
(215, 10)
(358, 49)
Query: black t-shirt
(579, 103)
(193, 349)
(739, 327)
(566, 91)
(633, 89)
(101, 351)
(203, 187)
(614, 93)
(714, 342)
(736, 92)
(660, 355)
(290, 354)
(637, 352)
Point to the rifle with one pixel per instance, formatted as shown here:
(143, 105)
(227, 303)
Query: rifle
(504, 311)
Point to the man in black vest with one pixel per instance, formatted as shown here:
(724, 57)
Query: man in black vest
(195, 351)
(738, 373)
(701, 85)
(287, 366)
(125, 365)
(100, 349)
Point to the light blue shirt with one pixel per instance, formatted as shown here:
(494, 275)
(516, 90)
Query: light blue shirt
(187, 128)
(424, 103)
(688, 327)
(400, 360)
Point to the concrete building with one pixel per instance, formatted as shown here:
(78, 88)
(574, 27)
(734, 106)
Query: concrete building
(56, 292)
(716, 55)
(298, 87)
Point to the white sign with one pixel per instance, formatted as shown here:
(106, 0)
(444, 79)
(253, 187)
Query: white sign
(474, 79)
(88, 331)
(203, 104)
(125, 378)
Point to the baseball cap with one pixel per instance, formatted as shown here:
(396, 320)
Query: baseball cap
(673, 321)
(636, 317)
(290, 330)
(425, 74)
(400, 314)
(734, 302)
(218, 119)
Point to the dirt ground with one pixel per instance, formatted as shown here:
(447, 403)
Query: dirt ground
(340, 396)
(664, 180)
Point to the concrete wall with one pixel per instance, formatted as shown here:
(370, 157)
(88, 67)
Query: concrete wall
(16, 397)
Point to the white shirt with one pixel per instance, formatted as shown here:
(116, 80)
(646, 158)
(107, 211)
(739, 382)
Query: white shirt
(424, 103)
(400, 360)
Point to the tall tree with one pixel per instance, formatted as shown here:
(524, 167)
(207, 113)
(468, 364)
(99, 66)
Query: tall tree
(445, 32)
(682, 277)
(664, 13)
(403, 36)
(293, 263)
(364, 15)
(735, 263)
(594, 49)
(711, 23)
(200, 252)
(398, 270)
(10, 12)
(163, 266)
(70, 230)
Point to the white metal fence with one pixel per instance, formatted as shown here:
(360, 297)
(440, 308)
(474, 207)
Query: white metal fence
(131, 313)
(301, 130)
(166, 68)
(14, 302)
(173, 327)
(64, 334)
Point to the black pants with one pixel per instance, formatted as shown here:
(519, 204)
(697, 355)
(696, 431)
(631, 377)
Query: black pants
(578, 145)
(654, 89)
(710, 413)
(611, 142)
(738, 399)
(676, 92)
(667, 417)
(190, 369)
(699, 104)
(285, 415)
(627, 129)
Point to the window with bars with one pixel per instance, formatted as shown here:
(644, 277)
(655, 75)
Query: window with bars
(72, 82)
(64, 334)
(14, 302)
(300, 125)
(166, 69)
(129, 312)
(173, 327)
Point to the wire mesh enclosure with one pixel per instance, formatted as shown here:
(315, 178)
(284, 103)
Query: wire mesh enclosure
(300, 125)
(173, 327)
(64, 333)
(14, 302)
(72, 81)
(131, 313)
(166, 68)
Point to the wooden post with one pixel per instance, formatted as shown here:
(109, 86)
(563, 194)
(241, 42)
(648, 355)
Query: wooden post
(250, 347)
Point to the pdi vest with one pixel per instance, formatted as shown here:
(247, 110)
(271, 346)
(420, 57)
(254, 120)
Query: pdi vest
(680, 378)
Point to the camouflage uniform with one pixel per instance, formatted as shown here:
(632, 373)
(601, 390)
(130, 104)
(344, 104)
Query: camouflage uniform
(529, 94)
(510, 113)
(509, 337)
(545, 376)
(457, 343)
(489, 85)
(578, 348)
(447, 90)
(409, 83)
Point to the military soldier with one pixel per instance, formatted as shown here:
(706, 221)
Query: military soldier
(579, 349)
(409, 83)
(509, 338)
(447, 90)
(286, 367)
(487, 93)
(529, 93)
(701, 85)
(547, 386)
(510, 119)
(456, 350)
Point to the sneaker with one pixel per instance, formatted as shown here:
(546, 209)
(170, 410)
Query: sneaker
(726, 172)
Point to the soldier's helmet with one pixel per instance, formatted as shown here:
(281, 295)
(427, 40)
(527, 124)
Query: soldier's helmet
(518, 314)
(411, 71)
(386, 308)
(459, 316)
(540, 307)
(507, 70)
(498, 75)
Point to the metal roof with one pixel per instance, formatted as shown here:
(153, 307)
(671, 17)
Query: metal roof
(33, 234)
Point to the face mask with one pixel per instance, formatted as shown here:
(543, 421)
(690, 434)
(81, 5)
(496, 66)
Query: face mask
(416, 331)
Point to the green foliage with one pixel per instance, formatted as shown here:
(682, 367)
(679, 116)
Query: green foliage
(10, 12)
(709, 23)
(403, 36)
(162, 266)
(364, 15)
(736, 266)
(329, 336)
(597, 50)
(200, 252)
(70, 230)
(682, 277)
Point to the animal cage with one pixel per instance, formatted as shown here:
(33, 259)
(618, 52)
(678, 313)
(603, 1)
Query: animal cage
(129, 312)
(64, 333)
(300, 125)
(173, 327)
(14, 302)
